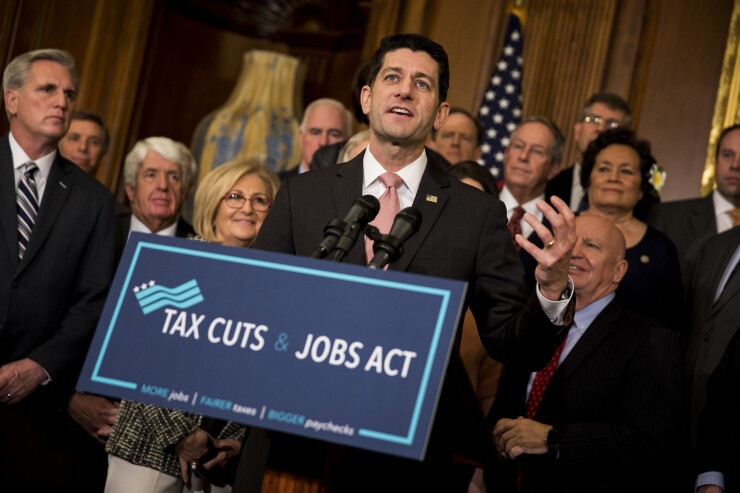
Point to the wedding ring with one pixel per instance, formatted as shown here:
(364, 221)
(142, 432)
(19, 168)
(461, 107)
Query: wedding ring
(193, 466)
(551, 243)
(9, 396)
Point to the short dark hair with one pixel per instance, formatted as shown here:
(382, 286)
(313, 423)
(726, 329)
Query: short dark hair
(478, 128)
(722, 136)
(89, 116)
(413, 42)
(479, 173)
(359, 80)
(623, 136)
(611, 101)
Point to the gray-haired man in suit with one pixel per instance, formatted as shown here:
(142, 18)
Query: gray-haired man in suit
(56, 264)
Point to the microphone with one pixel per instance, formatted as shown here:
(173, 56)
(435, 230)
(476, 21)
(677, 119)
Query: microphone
(362, 211)
(389, 247)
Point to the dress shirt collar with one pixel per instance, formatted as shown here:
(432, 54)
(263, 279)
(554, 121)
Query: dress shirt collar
(586, 315)
(510, 202)
(20, 158)
(721, 204)
(140, 227)
(411, 175)
(581, 322)
(722, 207)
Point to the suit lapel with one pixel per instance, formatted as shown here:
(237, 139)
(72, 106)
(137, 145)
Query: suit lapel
(601, 328)
(57, 189)
(347, 187)
(701, 216)
(8, 214)
(733, 286)
(430, 200)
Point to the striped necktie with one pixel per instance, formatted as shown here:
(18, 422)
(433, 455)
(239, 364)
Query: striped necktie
(28, 206)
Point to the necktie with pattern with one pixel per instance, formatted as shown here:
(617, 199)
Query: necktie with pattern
(735, 214)
(27, 206)
(515, 224)
(389, 207)
(541, 380)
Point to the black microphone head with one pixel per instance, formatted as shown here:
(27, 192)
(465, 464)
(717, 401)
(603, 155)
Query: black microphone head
(363, 210)
(411, 216)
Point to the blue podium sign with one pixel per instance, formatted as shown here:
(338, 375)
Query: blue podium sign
(334, 352)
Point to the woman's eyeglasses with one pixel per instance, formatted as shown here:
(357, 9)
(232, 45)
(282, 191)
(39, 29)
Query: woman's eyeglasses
(259, 202)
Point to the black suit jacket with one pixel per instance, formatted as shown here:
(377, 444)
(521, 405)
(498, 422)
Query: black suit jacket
(528, 262)
(287, 173)
(719, 424)
(463, 235)
(614, 399)
(49, 305)
(688, 224)
(712, 324)
(561, 186)
(123, 227)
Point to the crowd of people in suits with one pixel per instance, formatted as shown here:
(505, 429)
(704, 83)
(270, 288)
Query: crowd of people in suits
(600, 328)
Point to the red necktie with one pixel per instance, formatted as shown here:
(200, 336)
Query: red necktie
(541, 379)
(389, 207)
(515, 224)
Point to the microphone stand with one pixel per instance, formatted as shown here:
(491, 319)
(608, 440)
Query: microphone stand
(346, 242)
(332, 233)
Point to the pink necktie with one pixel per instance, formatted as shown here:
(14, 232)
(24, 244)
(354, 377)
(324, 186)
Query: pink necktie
(389, 207)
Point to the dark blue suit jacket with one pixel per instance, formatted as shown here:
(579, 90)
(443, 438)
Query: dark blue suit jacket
(50, 303)
(615, 400)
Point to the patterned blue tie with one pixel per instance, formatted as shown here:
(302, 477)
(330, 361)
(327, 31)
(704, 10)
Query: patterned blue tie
(28, 206)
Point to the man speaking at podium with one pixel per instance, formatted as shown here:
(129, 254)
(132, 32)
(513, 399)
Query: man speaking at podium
(463, 236)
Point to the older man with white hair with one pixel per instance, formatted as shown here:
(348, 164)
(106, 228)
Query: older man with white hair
(326, 121)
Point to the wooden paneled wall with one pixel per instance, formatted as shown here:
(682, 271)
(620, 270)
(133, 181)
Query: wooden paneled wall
(150, 70)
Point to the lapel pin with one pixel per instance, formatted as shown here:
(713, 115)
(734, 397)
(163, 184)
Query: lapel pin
(432, 198)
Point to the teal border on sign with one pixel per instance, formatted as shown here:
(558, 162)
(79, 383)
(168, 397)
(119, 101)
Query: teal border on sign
(443, 293)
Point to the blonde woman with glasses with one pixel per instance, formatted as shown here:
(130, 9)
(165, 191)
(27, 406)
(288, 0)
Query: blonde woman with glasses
(158, 450)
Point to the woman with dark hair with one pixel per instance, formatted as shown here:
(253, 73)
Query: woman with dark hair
(619, 173)
(476, 175)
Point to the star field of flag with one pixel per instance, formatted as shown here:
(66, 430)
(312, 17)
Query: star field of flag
(501, 106)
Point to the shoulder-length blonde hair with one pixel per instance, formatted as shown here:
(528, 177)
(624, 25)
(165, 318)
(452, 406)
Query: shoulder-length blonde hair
(219, 181)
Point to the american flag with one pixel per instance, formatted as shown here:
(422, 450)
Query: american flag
(501, 106)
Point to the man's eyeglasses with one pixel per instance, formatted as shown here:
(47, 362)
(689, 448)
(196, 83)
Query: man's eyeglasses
(259, 202)
(597, 120)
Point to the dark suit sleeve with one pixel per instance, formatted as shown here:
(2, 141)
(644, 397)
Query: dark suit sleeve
(62, 353)
(510, 330)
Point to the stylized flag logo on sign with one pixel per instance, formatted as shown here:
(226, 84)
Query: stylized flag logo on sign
(152, 297)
